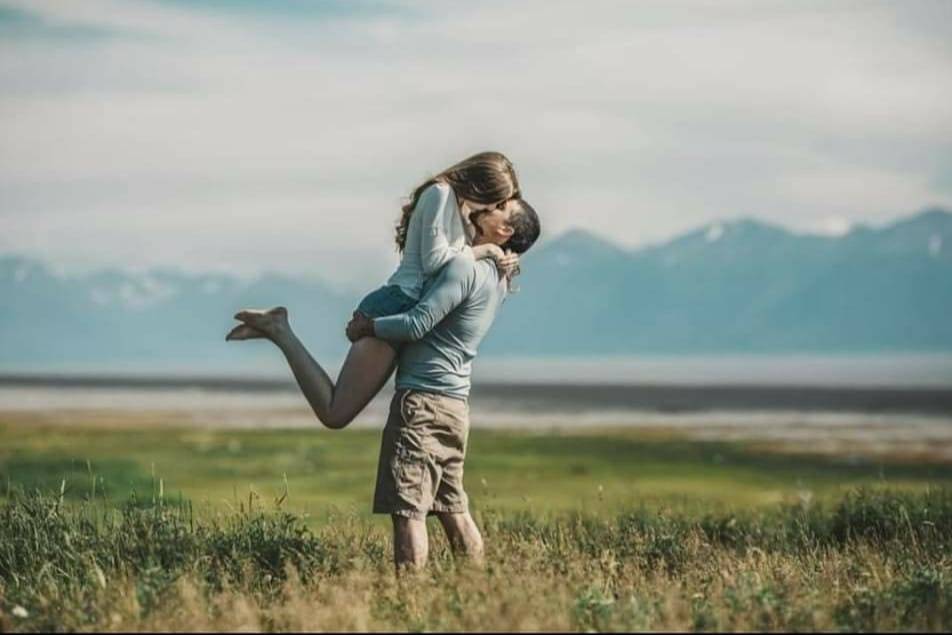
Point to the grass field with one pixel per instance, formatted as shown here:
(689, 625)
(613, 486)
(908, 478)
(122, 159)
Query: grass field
(520, 471)
(174, 528)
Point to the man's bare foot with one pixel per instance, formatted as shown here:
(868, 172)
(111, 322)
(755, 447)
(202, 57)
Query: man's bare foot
(244, 332)
(272, 323)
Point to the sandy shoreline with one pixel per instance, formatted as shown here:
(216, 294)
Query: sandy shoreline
(844, 421)
(854, 436)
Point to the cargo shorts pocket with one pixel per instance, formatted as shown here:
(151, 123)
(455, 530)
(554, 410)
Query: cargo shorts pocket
(410, 476)
(410, 464)
(411, 405)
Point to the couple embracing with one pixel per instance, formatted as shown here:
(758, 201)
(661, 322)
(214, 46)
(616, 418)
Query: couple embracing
(460, 237)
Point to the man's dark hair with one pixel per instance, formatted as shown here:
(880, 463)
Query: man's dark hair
(526, 228)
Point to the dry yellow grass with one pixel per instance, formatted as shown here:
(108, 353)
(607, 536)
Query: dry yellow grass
(875, 561)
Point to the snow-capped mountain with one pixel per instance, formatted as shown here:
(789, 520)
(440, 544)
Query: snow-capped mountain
(729, 286)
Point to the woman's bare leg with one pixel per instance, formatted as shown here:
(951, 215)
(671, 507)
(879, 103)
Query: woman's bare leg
(366, 369)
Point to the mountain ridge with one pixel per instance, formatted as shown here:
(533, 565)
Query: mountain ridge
(573, 235)
(731, 286)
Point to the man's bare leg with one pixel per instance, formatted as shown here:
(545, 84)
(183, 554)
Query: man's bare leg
(410, 543)
(463, 535)
(368, 365)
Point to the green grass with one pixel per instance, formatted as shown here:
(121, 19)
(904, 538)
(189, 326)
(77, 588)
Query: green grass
(872, 560)
(599, 472)
(184, 529)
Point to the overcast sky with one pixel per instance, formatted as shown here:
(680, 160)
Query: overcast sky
(282, 134)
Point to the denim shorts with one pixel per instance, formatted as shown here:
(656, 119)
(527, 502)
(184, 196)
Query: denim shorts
(387, 300)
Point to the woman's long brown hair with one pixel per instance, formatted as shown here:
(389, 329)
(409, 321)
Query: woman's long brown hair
(487, 178)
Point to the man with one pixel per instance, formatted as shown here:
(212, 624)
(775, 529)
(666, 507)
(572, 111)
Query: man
(420, 470)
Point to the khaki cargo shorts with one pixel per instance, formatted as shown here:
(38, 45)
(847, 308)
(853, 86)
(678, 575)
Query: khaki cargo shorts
(420, 470)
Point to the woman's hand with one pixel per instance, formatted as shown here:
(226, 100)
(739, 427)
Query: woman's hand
(506, 261)
(359, 326)
(489, 250)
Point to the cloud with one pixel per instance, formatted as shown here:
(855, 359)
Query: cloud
(282, 135)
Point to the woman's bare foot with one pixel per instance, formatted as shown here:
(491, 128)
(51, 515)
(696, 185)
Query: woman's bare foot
(244, 332)
(272, 323)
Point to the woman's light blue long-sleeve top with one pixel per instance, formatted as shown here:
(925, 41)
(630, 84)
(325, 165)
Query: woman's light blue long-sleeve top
(434, 236)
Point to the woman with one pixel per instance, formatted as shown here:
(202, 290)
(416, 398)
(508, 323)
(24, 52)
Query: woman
(439, 222)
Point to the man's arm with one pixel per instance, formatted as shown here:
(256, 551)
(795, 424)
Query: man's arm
(449, 289)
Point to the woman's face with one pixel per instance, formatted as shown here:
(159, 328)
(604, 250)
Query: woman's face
(492, 224)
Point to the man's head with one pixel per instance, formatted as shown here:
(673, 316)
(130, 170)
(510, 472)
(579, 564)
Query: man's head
(513, 225)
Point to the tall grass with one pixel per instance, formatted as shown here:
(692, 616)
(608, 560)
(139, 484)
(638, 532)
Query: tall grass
(874, 560)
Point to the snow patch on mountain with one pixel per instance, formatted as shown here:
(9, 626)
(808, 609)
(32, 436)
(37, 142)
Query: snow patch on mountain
(144, 292)
(835, 226)
(935, 245)
(211, 287)
(134, 293)
(563, 259)
(99, 296)
(21, 273)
